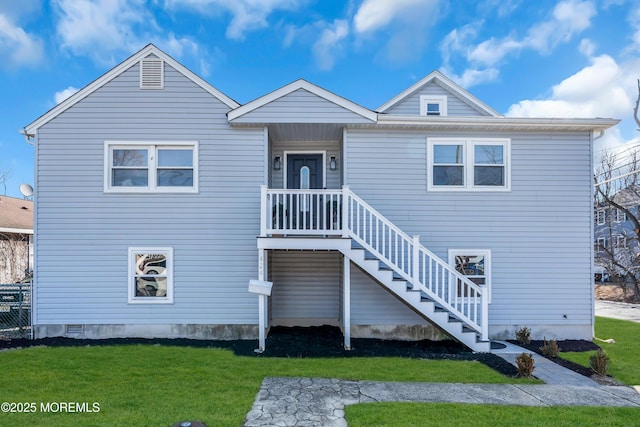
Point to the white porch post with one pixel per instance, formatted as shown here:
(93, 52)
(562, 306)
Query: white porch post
(416, 261)
(346, 301)
(263, 211)
(345, 210)
(262, 302)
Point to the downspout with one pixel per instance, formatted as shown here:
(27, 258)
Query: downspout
(592, 234)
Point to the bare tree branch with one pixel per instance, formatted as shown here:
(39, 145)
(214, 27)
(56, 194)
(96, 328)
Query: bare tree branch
(635, 109)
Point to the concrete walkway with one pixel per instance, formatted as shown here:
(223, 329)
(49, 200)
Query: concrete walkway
(549, 372)
(319, 401)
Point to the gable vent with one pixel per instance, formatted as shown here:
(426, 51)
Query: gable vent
(152, 73)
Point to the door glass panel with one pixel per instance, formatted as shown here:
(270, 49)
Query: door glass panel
(305, 174)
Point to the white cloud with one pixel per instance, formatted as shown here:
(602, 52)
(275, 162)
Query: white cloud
(568, 18)
(64, 94)
(401, 26)
(600, 90)
(17, 47)
(329, 44)
(375, 14)
(101, 29)
(246, 15)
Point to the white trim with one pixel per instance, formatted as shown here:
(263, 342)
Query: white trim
(487, 265)
(152, 146)
(116, 71)
(441, 100)
(168, 252)
(604, 216)
(16, 230)
(310, 87)
(446, 83)
(494, 123)
(601, 244)
(468, 163)
(285, 154)
(345, 156)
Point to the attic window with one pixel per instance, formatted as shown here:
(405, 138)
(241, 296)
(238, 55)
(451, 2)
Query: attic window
(433, 105)
(152, 73)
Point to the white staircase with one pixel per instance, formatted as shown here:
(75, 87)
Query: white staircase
(426, 283)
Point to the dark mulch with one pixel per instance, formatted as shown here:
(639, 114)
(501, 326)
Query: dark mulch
(323, 341)
(567, 346)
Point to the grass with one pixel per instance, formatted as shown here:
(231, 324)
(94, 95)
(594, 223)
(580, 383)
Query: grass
(624, 367)
(466, 415)
(152, 385)
(624, 364)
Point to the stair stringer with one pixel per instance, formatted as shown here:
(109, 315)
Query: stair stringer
(417, 301)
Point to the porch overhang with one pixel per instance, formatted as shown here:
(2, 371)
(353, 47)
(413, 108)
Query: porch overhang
(315, 243)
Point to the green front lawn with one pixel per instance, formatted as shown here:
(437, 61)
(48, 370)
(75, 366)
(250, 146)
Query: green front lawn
(152, 385)
(466, 415)
(625, 366)
(624, 353)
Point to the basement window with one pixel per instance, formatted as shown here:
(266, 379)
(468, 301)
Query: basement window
(151, 275)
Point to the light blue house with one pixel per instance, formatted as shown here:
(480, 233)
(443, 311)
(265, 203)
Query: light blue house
(159, 200)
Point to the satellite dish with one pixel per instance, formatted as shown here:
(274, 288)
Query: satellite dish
(26, 190)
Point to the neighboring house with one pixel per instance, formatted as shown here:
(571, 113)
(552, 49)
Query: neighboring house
(159, 199)
(615, 237)
(16, 239)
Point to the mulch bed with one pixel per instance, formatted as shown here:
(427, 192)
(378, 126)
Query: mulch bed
(326, 341)
(570, 346)
(323, 341)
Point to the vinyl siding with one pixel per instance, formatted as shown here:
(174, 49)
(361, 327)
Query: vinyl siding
(301, 106)
(84, 233)
(306, 285)
(371, 304)
(410, 106)
(331, 148)
(538, 233)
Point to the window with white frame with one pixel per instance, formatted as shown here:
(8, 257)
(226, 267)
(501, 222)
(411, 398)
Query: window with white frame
(620, 216)
(433, 105)
(601, 244)
(468, 164)
(151, 275)
(151, 167)
(619, 241)
(475, 264)
(601, 216)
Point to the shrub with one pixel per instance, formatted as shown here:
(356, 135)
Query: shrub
(523, 335)
(599, 362)
(525, 365)
(550, 348)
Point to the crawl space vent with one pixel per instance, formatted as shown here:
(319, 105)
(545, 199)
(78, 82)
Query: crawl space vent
(152, 73)
(74, 329)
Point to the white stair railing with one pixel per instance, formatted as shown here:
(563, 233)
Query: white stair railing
(342, 212)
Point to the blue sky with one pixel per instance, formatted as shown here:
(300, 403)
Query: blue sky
(570, 58)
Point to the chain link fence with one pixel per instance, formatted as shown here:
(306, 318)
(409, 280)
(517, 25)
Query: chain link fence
(15, 311)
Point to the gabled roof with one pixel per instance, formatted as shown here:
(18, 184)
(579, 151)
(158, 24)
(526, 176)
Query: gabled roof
(16, 215)
(150, 49)
(447, 83)
(309, 87)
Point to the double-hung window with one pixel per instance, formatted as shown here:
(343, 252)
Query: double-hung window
(468, 164)
(620, 215)
(150, 275)
(151, 167)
